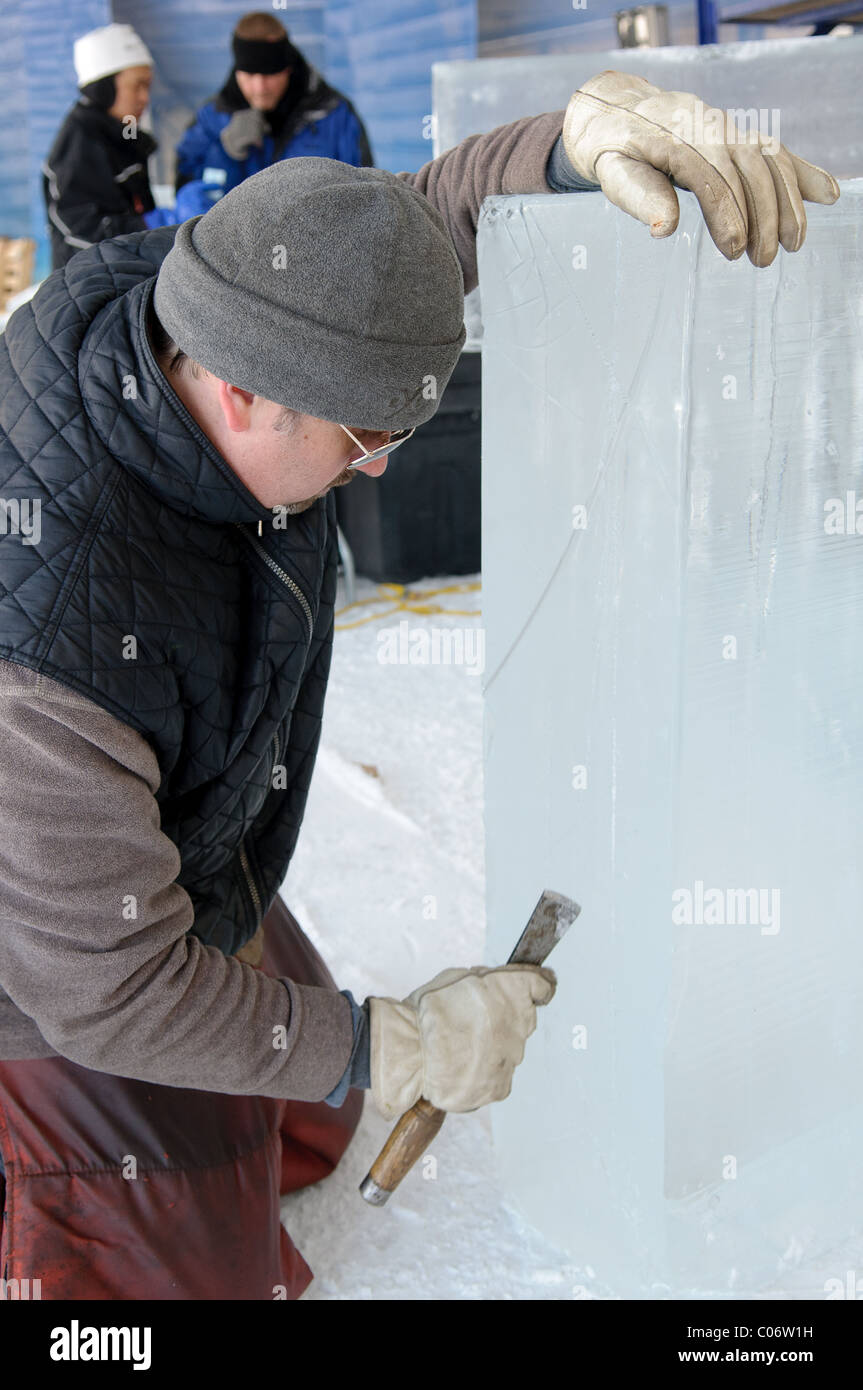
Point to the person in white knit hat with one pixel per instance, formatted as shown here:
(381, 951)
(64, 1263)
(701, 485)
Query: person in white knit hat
(95, 178)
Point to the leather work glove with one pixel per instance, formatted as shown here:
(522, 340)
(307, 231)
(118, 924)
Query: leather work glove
(456, 1040)
(245, 128)
(627, 135)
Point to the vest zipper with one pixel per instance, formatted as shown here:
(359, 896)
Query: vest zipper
(253, 890)
(285, 578)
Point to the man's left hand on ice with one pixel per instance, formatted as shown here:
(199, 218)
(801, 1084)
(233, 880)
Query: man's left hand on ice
(631, 138)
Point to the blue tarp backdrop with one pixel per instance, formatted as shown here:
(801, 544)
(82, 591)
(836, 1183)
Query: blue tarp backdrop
(378, 53)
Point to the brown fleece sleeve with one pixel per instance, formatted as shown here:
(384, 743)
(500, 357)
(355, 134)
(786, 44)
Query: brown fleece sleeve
(93, 943)
(509, 159)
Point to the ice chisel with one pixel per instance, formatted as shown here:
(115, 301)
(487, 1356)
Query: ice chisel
(413, 1133)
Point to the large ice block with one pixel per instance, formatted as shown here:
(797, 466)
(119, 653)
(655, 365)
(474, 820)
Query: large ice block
(813, 85)
(673, 599)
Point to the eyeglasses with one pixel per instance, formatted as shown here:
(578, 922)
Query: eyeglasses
(396, 437)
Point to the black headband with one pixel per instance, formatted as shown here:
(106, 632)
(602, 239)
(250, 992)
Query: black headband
(262, 55)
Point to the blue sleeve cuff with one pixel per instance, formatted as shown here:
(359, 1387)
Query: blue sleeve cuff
(358, 1071)
(159, 217)
(560, 175)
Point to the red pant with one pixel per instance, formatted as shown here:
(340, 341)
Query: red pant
(201, 1219)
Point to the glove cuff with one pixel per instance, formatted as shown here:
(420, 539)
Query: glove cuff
(562, 176)
(396, 1057)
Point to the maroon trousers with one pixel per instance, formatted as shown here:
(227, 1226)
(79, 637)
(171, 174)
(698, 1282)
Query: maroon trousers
(121, 1189)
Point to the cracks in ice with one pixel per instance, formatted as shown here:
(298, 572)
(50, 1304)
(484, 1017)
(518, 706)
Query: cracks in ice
(623, 398)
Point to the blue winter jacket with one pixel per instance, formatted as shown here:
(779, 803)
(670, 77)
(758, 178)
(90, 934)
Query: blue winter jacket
(312, 119)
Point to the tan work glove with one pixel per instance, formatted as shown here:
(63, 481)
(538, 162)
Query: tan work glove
(627, 135)
(456, 1040)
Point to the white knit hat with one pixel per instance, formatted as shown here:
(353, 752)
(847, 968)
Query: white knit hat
(105, 51)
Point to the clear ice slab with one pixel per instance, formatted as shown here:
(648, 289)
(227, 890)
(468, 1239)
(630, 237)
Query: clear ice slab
(672, 577)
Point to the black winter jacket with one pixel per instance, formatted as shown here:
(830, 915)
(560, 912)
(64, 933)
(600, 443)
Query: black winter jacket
(95, 181)
(150, 590)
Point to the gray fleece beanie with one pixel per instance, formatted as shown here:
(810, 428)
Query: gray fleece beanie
(330, 289)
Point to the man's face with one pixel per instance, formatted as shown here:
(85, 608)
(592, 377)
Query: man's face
(298, 458)
(263, 90)
(284, 458)
(133, 92)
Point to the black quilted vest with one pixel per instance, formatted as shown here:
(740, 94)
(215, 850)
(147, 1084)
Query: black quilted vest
(150, 590)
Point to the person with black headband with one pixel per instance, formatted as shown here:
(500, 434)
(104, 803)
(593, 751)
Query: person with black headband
(274, 106)
(95, 180)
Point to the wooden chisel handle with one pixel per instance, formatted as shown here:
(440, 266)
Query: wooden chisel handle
(418, 1126)
(411, 1137)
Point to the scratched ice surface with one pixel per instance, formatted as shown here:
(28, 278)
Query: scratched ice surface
(813, 85)
(673, 597)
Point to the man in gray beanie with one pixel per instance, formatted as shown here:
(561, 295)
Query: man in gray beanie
(316, 262)
(177, 407)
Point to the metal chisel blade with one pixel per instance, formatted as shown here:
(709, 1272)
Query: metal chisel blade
(552, 917)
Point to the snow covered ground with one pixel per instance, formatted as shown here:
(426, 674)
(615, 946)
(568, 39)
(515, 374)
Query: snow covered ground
(387, 881)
